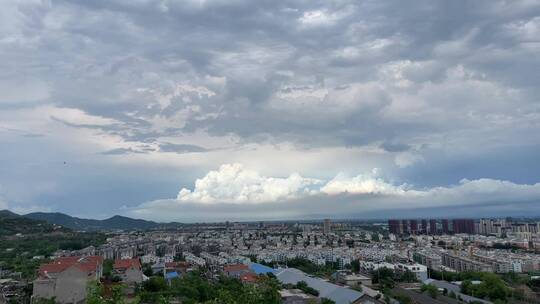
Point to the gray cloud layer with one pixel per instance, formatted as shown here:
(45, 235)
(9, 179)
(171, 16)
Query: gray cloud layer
(430, 92)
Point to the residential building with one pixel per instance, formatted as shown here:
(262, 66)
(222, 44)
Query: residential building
(336, 293)
(351, 279)
(420, 271)
(394, 227)
(461, 263)
(445, 226)
(463, 226)
(431, 260)
(66, 278)
(129, 270)
(296, 296)
(432, 227)
(236, 270)
(327, 228)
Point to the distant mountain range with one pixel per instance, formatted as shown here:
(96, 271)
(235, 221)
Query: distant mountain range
(12, 223)
(116, 222)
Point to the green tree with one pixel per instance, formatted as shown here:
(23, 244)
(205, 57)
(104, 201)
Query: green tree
(163, 300)
(302, 285)
(407, 276)
(432, 290)
(147, 269)
(403, 299)
(269, 286)
(355, 265)
(155, 284)
(384, 277)
(94, 292)
(117, 295)
(492, 287)
(108, 268)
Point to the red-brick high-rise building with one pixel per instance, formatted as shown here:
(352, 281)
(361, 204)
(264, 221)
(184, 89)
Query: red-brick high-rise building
(394, 227)
(445, 226)
(463, 226)
(432, 227)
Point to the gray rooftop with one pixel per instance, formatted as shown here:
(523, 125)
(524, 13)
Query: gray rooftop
(338, 294)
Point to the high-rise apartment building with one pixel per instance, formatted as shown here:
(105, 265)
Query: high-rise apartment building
(424, 228)
(463, 226)
(445, 226)
(413, 226)
(432, 227)
(405, 228)
(327, 226)
(394, 226)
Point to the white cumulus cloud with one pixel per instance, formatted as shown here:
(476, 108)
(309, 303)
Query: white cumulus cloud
(235, 193)
(232, 183)
(362, 184)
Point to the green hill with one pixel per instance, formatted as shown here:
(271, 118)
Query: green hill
(11, 224)
(116, 222)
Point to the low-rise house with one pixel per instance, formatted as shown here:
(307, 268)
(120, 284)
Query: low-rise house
(261, 269)
(235, 270)
(66, 278)
(179, 267)
(296, 296)
(129, 270)
(249, 278)
(169, 276)
(352, 279)
(419, 270)
(158, 268)
(194, 260)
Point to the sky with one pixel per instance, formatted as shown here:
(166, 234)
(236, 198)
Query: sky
(212, 110)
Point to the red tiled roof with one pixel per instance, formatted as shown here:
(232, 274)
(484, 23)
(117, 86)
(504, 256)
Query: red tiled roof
(235, 268)
(87, 264)
(249, 277)
(96, 258)
(66, 260)
(53, 268)
(127, 263)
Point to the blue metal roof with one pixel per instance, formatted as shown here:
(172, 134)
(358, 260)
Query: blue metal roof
(171, 275)
(261, 269)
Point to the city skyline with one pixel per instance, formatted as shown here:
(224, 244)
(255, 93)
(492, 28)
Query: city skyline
(235, 110)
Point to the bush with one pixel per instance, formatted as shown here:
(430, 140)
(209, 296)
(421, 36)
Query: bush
(403, 299)
(155, 284)
(432, 290)
(307, 289)
(492, 288)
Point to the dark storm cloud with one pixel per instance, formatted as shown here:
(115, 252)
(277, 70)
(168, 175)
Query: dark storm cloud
(394, 146)
(249, 43)
(120, 151)
(22, 132)
(180, 148)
